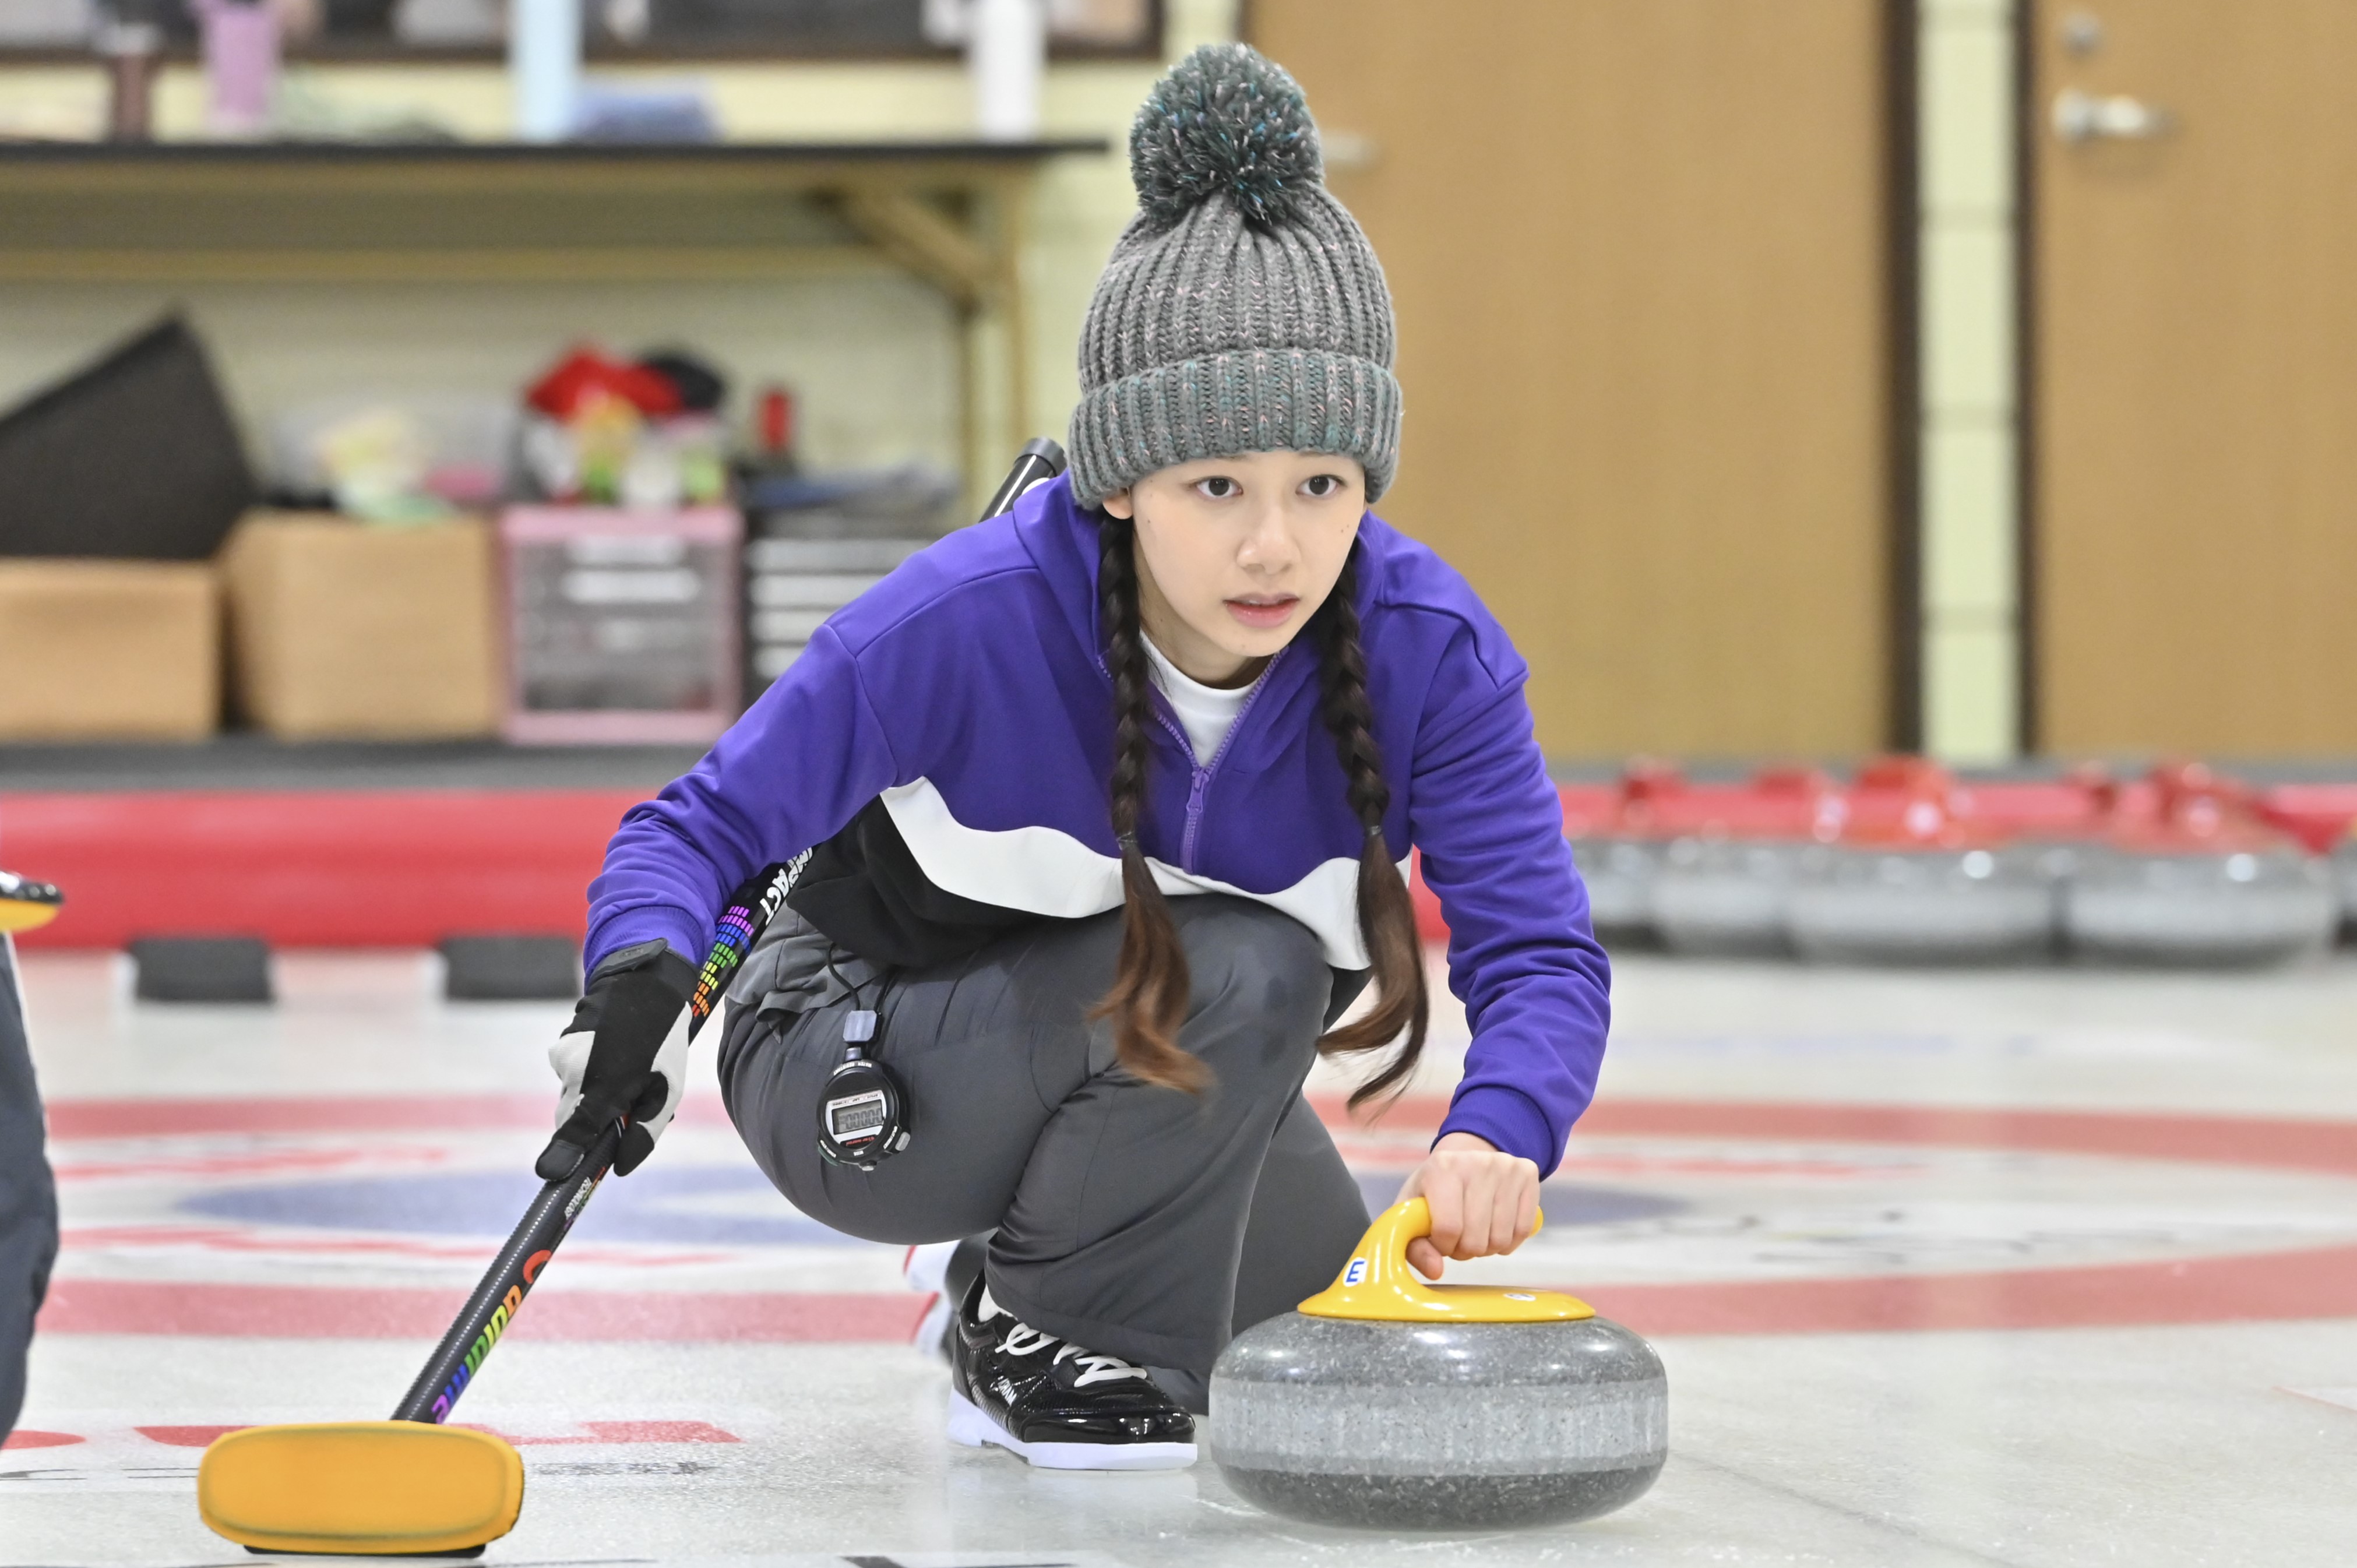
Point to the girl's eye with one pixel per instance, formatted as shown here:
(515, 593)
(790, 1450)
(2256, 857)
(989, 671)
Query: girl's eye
(1320, 486)
(1218, 486)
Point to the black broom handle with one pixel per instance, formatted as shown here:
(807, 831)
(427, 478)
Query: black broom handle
(517, 1269)
(505, 1285)
(1039, 461)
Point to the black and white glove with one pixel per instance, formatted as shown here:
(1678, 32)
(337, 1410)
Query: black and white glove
(624, 1056)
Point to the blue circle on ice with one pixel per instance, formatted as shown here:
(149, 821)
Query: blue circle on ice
(709, 1206)
(692, 1206)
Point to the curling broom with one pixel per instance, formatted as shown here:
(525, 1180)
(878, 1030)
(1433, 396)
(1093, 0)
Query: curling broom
(412, 1485)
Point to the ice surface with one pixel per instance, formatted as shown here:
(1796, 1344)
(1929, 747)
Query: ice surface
(780, 1423)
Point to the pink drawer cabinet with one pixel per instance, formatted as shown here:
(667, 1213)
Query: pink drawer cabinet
(623, 627)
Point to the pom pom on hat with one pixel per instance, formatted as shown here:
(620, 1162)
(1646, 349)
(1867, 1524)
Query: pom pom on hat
(1225, 121)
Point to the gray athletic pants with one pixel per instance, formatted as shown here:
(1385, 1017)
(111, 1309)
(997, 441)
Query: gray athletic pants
(29, 1197)
(1129, 1219)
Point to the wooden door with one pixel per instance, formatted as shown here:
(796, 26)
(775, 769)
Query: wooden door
(2194, 385)
(1639, 253)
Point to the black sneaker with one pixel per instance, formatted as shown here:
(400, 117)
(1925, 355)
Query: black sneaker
(1057, 1405)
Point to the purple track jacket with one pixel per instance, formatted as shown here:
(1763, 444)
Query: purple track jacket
(966, 697)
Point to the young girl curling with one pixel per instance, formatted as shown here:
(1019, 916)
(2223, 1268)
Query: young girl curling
(1100, 808)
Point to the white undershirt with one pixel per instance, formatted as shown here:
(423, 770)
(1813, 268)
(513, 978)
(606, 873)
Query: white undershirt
(1205, 713)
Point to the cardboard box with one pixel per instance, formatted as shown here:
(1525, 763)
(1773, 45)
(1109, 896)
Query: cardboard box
(108, 650)
(351, 631)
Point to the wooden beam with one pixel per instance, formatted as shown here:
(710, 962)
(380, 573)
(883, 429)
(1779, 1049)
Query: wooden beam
(915, 234)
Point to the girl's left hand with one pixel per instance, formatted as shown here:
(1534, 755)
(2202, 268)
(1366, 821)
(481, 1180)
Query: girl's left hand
(1483, 1202)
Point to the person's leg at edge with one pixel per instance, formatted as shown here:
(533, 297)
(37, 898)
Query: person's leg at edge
(29, 1203)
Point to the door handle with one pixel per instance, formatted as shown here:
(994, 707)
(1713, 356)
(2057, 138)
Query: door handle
(2084, 117)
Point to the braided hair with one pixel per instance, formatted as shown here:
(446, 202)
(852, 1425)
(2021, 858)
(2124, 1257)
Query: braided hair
(1386, 917)
(1148, 999)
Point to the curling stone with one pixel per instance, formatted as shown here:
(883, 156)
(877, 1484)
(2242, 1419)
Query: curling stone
(1619, 873)
(1619, 855)
(2199, 879)
(2252, 901)
(1389, 1403)
(2056, 822)
(1725, 883)
(1921, 884)
(2344, 874)
(1725, 898)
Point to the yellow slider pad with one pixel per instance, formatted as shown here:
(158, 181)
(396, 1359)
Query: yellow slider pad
(372, 1487)
(1377, 1285)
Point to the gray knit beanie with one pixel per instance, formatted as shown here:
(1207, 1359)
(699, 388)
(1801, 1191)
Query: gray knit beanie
(1243, 309)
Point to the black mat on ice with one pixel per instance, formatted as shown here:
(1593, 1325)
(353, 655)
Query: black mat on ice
(135, 458)
(202, 969)
(511, 969)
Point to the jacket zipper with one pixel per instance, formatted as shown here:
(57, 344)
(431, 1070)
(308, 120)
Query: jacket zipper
(1202, 781)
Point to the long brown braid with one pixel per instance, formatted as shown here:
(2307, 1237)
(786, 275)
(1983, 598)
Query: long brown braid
(1148, 999)
(1386, 915)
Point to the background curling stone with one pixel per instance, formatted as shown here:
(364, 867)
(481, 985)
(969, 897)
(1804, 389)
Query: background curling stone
(1618, 874)
(202, 969)
(1620, 855)
(1725, 882)
(1721, 897)
(2058, 824)
(1388, 1403)
(2248, 904)
(2202, 880)
(2344, 875)
(1919, 882)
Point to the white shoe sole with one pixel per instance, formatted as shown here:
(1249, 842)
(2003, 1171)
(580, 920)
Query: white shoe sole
(970, 1427)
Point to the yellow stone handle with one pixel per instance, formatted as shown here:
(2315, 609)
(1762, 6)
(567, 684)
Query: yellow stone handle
(1377, 1285)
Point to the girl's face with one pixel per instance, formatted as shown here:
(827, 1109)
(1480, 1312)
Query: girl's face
(1235, 553)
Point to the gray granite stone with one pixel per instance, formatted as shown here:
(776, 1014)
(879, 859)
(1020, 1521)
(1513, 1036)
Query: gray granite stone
(1723, 897)
(1619, 873)
(1439, 1426)
(1858, 905)
(2250, 908)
